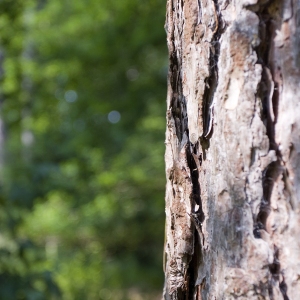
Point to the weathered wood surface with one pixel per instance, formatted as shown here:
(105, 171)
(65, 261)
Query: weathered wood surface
(233, 150)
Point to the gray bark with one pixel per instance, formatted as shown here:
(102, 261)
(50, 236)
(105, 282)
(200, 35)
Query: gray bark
(233, 150)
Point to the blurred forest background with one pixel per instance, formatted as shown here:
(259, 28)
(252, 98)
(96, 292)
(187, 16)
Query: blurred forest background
(82, 100)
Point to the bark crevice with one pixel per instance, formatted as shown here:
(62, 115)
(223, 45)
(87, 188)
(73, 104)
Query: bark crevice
(211, 82)
(269, 93)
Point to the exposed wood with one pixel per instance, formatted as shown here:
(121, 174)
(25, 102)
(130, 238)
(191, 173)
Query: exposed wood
(233, 150)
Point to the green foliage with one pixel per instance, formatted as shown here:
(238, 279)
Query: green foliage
(81, 195)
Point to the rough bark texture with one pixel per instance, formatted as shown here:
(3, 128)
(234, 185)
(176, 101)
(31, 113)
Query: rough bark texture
(233, 150)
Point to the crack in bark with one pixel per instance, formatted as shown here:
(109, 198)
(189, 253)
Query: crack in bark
(194, 162)
(194, 158)
(178, 103)
(277, 168)
(211, 82)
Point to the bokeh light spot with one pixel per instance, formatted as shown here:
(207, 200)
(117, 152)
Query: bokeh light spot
(27, 138)
(70, 96)
(132, 74)
(114, 116)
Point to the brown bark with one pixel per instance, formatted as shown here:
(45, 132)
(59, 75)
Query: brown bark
(233, 150)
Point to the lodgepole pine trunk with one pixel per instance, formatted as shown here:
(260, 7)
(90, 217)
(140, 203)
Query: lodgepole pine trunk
(233, 150)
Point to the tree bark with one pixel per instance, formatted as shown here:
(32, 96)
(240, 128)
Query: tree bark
(233, 150)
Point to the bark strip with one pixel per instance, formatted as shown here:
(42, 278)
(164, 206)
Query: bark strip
(233, 150)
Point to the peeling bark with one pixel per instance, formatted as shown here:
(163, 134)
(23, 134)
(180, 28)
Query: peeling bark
(233, 150)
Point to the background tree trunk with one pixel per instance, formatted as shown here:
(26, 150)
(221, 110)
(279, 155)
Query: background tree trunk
(233, 150)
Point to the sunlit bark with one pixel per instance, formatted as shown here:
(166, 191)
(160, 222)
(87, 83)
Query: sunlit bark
(233, 150)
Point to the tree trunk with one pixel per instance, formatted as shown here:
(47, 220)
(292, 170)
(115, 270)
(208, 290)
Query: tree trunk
(233, 150)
